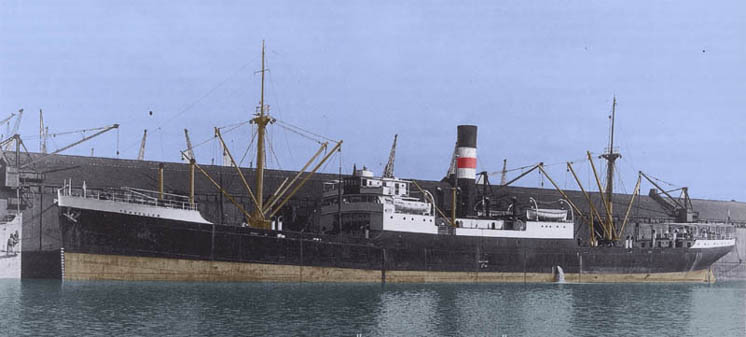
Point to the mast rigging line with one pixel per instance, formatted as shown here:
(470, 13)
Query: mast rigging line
(83, 131)
(282, 123)
(532, 165)
(300, 134)
(270, 144)
(235, 126)
(208, 93)
(664, 182)
(159, 127)
(248, 148)
(230, 127)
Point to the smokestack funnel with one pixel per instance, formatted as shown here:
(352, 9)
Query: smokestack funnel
(466, 152)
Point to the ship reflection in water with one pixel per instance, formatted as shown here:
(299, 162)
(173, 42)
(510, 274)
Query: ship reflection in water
(51, 308)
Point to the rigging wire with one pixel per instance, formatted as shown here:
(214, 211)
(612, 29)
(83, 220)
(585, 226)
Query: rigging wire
(662, 181)
(621, 182)
(161, 141)
(273, 91)
(522, 168)
(541, 178)
(270, 142)
(203, 142)
(190, 106)
(331, 159)
(300, 134)
(289, 149)
(230, 127)
(567, 172)
(208, 93)
(248, 148)
(299, 129)
(213, 146)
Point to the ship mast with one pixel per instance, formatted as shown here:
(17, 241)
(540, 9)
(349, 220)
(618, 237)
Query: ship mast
(611, 158)
(261, 120)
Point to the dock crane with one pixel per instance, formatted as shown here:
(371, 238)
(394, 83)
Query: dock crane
(100, 130)
(680, 208)
(5, 120)
(388, 171)
(188, 155)
(14, 130)
(504, 172)
(43, 133)
(141, 153)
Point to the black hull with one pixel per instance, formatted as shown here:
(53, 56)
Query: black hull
(136, 236)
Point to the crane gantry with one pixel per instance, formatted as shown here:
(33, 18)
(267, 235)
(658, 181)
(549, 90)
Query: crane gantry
(141, 153)
(14, 130)
(189, 153)
(388, 171)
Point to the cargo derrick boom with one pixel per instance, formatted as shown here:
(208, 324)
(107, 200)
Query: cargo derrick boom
(263, 214)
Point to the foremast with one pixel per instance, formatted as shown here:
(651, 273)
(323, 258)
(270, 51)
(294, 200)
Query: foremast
(261, 119)
(611, 156)
(262, 215)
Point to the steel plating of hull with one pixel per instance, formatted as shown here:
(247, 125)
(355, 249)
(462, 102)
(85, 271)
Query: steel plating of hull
(103, 245)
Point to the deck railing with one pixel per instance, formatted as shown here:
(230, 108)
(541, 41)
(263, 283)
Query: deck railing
(132, 196)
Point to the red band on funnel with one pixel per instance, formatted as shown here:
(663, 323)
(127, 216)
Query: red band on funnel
(467, 163)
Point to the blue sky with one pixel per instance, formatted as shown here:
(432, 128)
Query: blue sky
(536, 77)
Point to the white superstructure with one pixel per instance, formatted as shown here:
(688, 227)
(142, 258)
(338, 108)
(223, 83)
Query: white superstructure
(367, 203)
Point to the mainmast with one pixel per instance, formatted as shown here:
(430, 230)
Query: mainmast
(261, 120)
(611, 157)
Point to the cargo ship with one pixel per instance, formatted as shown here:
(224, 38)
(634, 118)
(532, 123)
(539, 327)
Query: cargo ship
(375, 229)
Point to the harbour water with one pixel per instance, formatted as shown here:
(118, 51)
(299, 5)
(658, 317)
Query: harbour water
(54, 308)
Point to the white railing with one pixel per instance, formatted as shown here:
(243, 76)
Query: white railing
(130, 195)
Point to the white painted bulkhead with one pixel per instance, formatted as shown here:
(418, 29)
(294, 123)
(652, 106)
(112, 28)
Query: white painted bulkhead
(704, 243)
(533, 230)
(413, 223)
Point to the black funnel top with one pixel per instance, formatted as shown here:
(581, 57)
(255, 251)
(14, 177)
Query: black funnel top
(467, 136)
